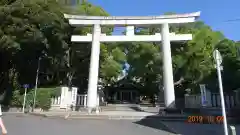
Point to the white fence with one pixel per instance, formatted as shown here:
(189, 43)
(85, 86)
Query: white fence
(213, 100)
(56, 101)
(192, 101)
(81, 101)
(230, 100)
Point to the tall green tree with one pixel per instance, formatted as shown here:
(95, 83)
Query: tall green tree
(30, 30)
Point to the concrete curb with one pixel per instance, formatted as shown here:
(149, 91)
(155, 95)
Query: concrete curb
(12, 113)
(17, 114)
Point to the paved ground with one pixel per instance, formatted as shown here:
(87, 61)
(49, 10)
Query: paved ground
(198, 129)
(109, 115)
(34, 125)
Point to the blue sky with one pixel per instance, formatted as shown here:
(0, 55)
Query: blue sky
(213, 12)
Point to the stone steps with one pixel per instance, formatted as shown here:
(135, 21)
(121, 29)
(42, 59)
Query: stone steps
(120, 108)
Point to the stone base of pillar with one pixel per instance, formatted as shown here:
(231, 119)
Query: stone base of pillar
(93, 110)
(97, 111)
(171, 106)
(90, 110)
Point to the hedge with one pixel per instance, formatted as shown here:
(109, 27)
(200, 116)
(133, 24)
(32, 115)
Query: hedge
(43, 98)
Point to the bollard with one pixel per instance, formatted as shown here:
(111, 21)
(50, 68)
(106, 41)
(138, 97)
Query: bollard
(232, 130)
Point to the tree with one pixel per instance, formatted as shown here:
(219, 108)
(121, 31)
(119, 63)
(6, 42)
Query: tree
(193, 61)
(231, 66)
(30, 30)
(111, 58)
(111, 65)
(34, 29)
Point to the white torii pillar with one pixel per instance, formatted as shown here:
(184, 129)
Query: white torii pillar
(169, 94)
(96, 37)
(94, 69)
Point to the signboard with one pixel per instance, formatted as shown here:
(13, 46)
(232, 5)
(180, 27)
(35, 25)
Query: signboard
(203, 95)
(26, 86)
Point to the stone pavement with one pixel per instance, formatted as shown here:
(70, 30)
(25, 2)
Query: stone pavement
(32, 125)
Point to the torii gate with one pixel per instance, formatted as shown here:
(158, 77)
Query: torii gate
(130, 21)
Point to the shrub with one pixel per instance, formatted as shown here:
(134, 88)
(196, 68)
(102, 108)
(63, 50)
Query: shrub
(56, 92)
(16, 99)
(43, 98)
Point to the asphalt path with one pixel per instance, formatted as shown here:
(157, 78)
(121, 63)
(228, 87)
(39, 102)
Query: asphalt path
(198, 129)
(35, 125)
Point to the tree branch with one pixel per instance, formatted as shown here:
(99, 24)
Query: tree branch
(179, 81)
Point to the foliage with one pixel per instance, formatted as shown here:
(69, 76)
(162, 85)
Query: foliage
(193, 61)
(31, 30)
(231, 65)
(56, 92)
(145, 62)
(43, 98)
(16, 99)
(112, 59)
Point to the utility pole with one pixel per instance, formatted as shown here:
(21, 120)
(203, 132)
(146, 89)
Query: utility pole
(25, 96)
(218, 59)
(36, 85)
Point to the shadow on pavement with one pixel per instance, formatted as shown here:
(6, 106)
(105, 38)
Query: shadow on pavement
(136, 109)
(154, 123)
